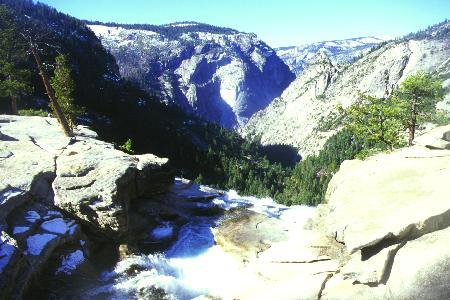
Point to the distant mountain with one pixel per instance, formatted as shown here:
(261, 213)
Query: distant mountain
(219, 74)
(339, 51)
(305, 115)
(120, 111)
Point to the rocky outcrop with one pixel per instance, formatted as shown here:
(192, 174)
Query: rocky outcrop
(249, 233)
(51, 184)
(392, 213)
(31, 227)
(219, 74)
(420, 268)
(88, 178)
(412, 176)
(383, 233)
(306, 114)
(97, 183)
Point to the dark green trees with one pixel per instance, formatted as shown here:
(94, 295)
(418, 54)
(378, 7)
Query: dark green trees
(13, 61)
(309, 180)
(64, 86)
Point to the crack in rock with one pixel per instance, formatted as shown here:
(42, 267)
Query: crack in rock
(387, 268)
(323, 272)
(324, 283)
(302, 262)
(405, 61)
(80, 186)
(33, 140)
(410, 232)
(257, 224)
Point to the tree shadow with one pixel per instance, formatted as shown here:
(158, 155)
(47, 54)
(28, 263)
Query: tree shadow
(285, 155)
(7, 138)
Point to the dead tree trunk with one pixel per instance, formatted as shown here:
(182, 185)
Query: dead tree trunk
(51, 95)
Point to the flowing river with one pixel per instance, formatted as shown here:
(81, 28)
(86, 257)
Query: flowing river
(194, 265)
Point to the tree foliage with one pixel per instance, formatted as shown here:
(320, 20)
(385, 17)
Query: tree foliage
(416, 98)
(14, 72)
(64, 86)
(127, 147)
(375, 120)
(383, 120)
(436, 31)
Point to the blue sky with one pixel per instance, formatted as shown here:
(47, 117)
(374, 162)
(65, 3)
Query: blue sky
(278, 22)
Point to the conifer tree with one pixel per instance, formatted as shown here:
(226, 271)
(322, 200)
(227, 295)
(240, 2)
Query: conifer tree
(376, 120)
(64, 86)
(417, 98)
(13, 61)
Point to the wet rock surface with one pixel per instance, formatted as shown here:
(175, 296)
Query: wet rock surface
(249, 233)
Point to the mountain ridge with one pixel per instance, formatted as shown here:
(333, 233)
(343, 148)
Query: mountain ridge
(221, 77)
(340, 51)
(178, 27)
(305, 116)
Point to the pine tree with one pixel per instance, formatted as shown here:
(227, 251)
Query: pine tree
(417, 98)
(376, 120)
(64, 86)
(13, 61)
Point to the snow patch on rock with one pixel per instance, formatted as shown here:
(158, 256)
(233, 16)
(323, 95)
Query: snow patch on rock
(20, 229)
(32, 216)
(11, 193)
(70, 262)
(58, 226)
(36, 243)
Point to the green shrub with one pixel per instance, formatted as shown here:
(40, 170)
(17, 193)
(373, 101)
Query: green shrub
(127, 147)
(33, 112)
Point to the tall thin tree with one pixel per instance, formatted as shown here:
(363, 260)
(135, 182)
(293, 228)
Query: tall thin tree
(50, 93)
(64, 86)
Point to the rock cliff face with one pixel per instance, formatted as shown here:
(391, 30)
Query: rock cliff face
(305, 115)
(339, 51)
(51, 184)
(220, 74)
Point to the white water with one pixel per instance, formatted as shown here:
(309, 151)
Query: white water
(194, 265)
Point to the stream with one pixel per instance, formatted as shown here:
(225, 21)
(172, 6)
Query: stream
(193, 265)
